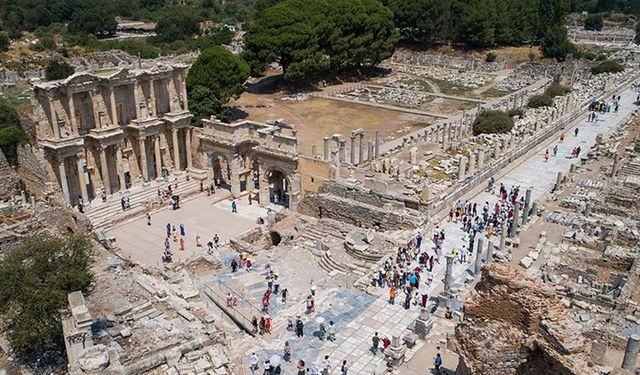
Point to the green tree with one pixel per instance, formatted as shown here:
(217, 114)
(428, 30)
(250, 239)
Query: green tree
(311, 38)
(215, 77)
(11, 133)
(177, 24)
(607, 66)
(477, 23)
(556, 44)
(593, 22)
(636, 39)
(35, 279)
(538, 101)
(5, 42)
(425, 21)
(490, 122)
(96, 21)
(58, 69)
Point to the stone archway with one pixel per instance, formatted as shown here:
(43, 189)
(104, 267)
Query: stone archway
(278, 186)
(221, 170)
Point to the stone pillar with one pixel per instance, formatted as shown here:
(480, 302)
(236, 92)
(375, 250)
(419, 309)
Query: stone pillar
(527, 206)
(187, 141)
(183, 92)
(137, 99)
(72, 114)
(235, 178)
(176, 149)
(489, 252)
(171, 93)
(104, 169)
(448, 273)
(370, 150)
(503, 240)
(143, 159)
(54, 118)
(326, 148)
(377, 144)
(480, 159)
(472, 163)
(158, 156)
(94, 111)
(152, 99)
(119, 166)
(444, 135)
(64, 184)
(361, 148)
(631, 353)
(478, 262)
(423, 324)
(114, 111)
(341, 153)
(353, 150)
(83, 182)
(461, 168)
(616, 164)
(515, 228)
(558, 181)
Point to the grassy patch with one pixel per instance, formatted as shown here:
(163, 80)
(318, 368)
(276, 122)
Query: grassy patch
(494, 93)
(449, 88)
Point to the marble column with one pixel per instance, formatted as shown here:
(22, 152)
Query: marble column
(94, 111)
(361, 148)
(478, 262)
(235, 178)
(158, 156)
(631, 353)
(472, 163)
(503, 240)
(119, 169)
(515, 227)
(72, 114)
(341, 152)
(353, 150)
(480, 159)
(527, 206)
(558, 181)
(377, 144)
(176, 149)
(489, 252)
(64, 184)
(171, 94)
(370, 150)
(82, 181)
(448, 276)
(183, 91)
(152, 99)
(461, 168)
(54, 118)
(104, 170)
(143, 159)
(137, 100)
(187, 141)
(114, 111)
(326, 155)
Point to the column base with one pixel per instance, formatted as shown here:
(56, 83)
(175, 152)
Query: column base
(198, 174)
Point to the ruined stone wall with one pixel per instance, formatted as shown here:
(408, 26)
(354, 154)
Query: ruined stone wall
(368, 196)
(32, 170)
(7, 179)
(381, 217)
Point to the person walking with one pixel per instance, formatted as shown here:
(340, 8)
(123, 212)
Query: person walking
(437, 363)
(561, 137)
(299, 327)
(344, 369)
(285, 291)
(392, 295)
(148, 219)
(234, 207)
(375, 341)
(576, 131)
(183, 232)
(287, 352)
(168, 230)
(301, 367)
(331, 331)
(325, 366)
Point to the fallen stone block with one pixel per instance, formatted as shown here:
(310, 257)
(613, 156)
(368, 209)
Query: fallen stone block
(526, 262)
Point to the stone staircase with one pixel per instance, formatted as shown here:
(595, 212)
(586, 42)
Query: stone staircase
(105, 216)
(629, 169)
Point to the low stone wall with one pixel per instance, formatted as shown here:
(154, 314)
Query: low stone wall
(7, 179)
(382, 217)
(359, 193)
(32, 171)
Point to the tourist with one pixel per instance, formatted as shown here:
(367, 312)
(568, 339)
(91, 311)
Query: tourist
(249, 199)
(216, 239)
(375, 341)
(168, 230)
(289, 325)
(182, 243)
(344, 369)
(310, 305)
(561, 137)
(234, 206)
(253, 361)
(265, 301)
(174, 234)
(322, 332)
(287, 352)
(301, 367)
(299, 327)
(325, 366)
(437, 362)
(392, 295)
(262, 325)
(285, 291)
(254, 323)
(546, 155)
(331, 331)
(575, 132)
(313, 288)
(267, 324)
(276, 284)
(555, 150)
(198, 244)
(182, 230)
(234, 265)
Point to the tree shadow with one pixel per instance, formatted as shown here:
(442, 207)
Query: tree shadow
(237, 114)
(442, 371)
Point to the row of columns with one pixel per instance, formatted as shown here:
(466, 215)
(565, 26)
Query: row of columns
(357, 151)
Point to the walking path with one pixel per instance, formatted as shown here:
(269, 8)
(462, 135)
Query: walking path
(389, 107)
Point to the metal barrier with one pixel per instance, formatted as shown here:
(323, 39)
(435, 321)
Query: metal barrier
(241, 313)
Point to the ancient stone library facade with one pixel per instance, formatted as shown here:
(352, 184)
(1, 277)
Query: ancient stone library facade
(109, 131)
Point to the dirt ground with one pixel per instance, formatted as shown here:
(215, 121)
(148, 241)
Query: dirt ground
(317, 117)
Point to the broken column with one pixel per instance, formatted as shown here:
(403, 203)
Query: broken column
(361, 148)
(515, 227)
(341, 152)
(527, 205)
(558, 181)
(448, 274)
(503, 239)
(472, 163)
(461, 168)
(423, 324)
(478, 262)
(489, 252)
(631, 353)
(395, 351)
(352, 159)
(616, 165)
(413, 156)
(480, 159)
(377, 144)
(370, 150)
(326, 148)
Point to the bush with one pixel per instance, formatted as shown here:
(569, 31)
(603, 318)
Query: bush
(556, 89)
(538, 101)
(516, 112)
(4, 41)
(58, 69)
(593, 22)
(492, 122)
(607, 66)
(491, 57)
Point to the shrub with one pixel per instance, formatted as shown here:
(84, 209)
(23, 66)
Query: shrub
(4, 41)
(491, 57)
(556, 89)
(607, 66)
(58, 69)
(516, 112)
(491, 122)
(593, 22)
(538, 101)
